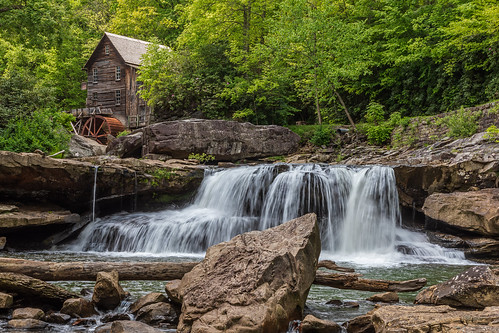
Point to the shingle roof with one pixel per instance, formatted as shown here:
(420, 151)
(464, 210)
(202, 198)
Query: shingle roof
(130, 49)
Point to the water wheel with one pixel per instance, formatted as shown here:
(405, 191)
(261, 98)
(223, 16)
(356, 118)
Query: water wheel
(99, 127)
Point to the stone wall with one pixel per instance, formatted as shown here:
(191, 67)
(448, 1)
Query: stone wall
(428, 130)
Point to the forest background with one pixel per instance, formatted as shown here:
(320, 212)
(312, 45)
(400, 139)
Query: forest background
(263, 61)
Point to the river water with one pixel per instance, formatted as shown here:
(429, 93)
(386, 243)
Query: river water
(358, 215)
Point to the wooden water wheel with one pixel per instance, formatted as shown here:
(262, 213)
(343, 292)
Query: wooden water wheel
(99, 127)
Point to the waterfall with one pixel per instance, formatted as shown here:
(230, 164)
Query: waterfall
(94, 192)
(357, 209)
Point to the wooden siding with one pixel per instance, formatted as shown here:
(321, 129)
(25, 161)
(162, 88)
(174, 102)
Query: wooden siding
(106, 86)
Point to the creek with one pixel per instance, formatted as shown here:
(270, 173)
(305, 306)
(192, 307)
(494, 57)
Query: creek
(358, 214)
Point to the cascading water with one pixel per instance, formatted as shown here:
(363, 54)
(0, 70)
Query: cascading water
(357, 209)
(94, 192)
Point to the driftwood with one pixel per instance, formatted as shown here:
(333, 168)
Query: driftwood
(353, 281)
(87, 271)
(34, 289)
(81, 271)
(332, 266)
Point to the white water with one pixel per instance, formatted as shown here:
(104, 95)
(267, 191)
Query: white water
(358, 213)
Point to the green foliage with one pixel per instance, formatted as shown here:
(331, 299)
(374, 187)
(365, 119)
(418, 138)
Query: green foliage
(462, 123)
(492, 134)
(378, 131)
(305, 132)
(46, 130)
(321, 136)
(202, 158)
(123, 133)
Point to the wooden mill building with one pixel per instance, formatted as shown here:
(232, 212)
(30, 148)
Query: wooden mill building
(112, 80)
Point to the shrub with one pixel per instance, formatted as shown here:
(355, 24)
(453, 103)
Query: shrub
(47, 130)
(321, 136)
(461, 124)
(492, 134)
(202, 158)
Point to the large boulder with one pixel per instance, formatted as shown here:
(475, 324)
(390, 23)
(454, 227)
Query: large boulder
(6, 300)
(396, 318)
(477, 287)
(158, 313)
(145, 300)
(27, 313)
(108, 293)
(78, 307)
(475, 211)
(126, 146)
(256, 282)
(226, 140)
(80, 146)
(127, 326)
(311, 324)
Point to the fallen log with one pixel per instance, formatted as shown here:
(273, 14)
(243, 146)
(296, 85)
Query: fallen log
(332, 266)
(87, 271)
(354, 282)
(34, 289)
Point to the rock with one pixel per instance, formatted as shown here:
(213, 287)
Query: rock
(311, 324)
(36, 216)
(388, 297)
(26, 324)
(78, 307)
(27, 313)
(476, 211)
(108, 293)
(57, 318)
(6, 300)
(345, 304)
(146, 300)
(361, 324)
(258, 281)
(8, 208)
(122, 326)
(3, 241)
(226, 140)
(157, 313)
(477, 287)
(110, 317)
(106, 328)
(396, 318)
(172, 290)
(126, 146)
(80, 146)
(69, 183)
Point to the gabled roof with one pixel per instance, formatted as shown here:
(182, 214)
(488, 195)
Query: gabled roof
(130, 49)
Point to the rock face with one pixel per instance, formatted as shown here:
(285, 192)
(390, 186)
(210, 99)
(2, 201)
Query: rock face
(226, 140)
(126, 146)
(6, 300)
(80, 146)
(108, 293)
(258, 281)
(69, 183)
(475, 211)
(477, 287)
(394, 318)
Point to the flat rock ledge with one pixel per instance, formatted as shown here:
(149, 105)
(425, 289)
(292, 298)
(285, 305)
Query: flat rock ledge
(443, 318)
(256, 282)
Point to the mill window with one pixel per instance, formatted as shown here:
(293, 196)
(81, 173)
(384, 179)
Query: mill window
(107, 49)
(95, 76)
(118, 73)
(117, 97)
(94, 96)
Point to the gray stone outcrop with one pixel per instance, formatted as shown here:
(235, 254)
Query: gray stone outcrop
(225, 140)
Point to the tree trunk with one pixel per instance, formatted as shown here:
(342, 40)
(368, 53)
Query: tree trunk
(87, 271)
(354, 282)
(344, 108)
(34, 289)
